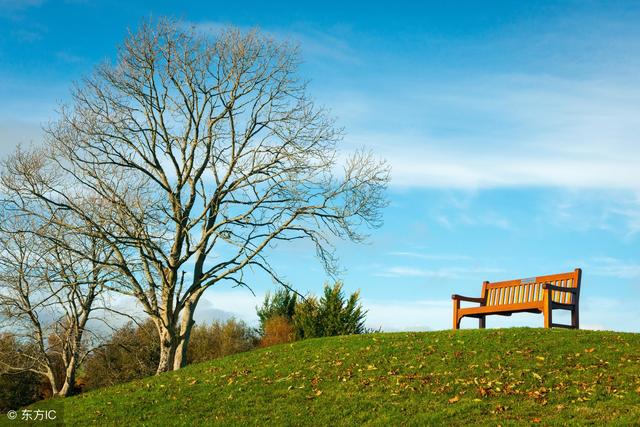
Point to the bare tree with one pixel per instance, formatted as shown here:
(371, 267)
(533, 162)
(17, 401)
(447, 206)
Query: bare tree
(190, 157)
(47, 297)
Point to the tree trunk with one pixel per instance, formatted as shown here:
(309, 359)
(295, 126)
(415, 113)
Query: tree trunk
(53, 382)
(69, 379)
(168, 345)
(186, 325)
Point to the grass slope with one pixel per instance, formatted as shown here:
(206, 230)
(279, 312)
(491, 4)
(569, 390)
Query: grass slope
(501, 376)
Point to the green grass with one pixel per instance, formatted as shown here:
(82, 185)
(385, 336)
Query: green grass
(487, 377)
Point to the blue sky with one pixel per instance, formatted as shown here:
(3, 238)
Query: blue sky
(512, 130)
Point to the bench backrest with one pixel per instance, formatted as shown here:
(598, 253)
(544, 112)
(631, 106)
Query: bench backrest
(529, 290)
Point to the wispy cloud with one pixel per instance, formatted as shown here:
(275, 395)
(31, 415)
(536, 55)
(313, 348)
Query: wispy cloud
(509, 131)
(16, 9)
(19, 4)
(315, 43)
(613, 267)
(431, 257)
(440, 273)
(615, 211)
(70, 58)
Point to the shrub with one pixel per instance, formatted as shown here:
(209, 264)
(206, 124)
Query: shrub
(281, 303)
(277, 330)
(332, 314)
(339, 316)
(220, 339)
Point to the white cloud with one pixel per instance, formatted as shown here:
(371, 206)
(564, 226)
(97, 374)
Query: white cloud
(240, 304)
(507, 131)
(442, 273)
(431, 257)
(313, 42)
(613, 267)
(615, 211)
(404, 315)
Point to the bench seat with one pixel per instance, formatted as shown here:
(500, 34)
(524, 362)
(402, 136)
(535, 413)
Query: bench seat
(510, 308)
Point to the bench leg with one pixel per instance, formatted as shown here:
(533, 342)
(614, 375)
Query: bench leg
(575, 318)
(547, 301)
(456, 319)
(482, 321)
(548, 316)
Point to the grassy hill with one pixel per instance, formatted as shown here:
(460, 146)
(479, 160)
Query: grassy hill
(501, 376)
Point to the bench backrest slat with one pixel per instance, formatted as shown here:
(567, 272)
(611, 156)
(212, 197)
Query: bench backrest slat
(521, 291)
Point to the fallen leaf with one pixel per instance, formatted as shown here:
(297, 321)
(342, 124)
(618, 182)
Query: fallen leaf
(318, 392)
(454, 399)
(589, 350)
(536, 420)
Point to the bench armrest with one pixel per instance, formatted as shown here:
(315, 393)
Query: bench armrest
(469, 299)
(559, 288)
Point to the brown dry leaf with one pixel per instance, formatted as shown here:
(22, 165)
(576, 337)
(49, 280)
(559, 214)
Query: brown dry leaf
(499, 409)
(589, 350)
(483, 391)
(454, 399)
(193, 382)
(318, 392)
(536, 420)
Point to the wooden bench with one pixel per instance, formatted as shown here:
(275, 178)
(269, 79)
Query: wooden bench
(540, 294)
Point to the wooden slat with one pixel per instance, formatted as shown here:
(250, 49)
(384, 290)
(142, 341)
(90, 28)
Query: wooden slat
(560, 295)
